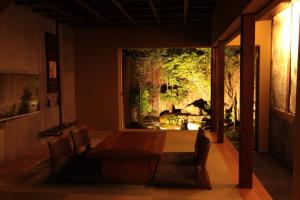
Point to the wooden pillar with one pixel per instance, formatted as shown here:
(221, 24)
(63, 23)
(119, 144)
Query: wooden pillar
(220, 91)
(246, 99)
(213, 117)
(296, 167)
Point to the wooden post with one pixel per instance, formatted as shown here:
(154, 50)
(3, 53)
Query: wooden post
(296, 167)
(213, 117)
(246, 99)
(59, 100)
(220, 92)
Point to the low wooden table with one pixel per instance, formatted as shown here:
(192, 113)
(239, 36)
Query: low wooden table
(129, 157)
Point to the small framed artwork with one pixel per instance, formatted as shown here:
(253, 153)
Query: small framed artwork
(52, 70)
(52, 63)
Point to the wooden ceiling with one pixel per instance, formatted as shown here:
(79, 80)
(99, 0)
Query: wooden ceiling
(97, 13)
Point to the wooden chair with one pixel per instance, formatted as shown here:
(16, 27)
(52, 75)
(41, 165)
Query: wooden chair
(185, 168)
(184, 157)
(81, 140)
(65, 166)
(61, 154)
(201, 160)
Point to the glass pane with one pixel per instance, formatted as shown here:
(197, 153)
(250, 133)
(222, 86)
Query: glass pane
(19, 94)
(280, 54)
(294, 54)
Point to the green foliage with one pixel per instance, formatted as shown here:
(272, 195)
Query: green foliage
(202, 105)
(184, 70)
(232, 71)
(145, 106)
(174, 95)
(134, 99)
(232, 134)
(231, 83)
(173, 119)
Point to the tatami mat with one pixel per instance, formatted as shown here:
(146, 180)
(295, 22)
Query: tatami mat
(32, 184)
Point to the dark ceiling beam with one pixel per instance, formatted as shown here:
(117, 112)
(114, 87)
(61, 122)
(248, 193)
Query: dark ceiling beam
(163, 21)
(154, 11)
(186, 8)
(24, 2)
(68, 9)
(42, 10)
(172, 8)
(94, 12)
(59, 11)
(123, 11)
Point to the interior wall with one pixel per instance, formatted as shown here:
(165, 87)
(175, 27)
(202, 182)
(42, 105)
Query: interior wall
(67, 64)
(225, 13)
(96, 61)
(263, 40)
(226, 19)
(23, 51)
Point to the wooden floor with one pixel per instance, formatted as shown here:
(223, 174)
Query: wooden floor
(222, 166)
(231, 158)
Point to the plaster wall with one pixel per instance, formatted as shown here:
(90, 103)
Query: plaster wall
(98, 73)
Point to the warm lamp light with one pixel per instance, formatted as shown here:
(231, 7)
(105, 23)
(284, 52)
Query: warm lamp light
(289, 30)
(284, 30)
(295, 30)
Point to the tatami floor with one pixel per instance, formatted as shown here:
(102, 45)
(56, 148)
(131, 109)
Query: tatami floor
(30, 185)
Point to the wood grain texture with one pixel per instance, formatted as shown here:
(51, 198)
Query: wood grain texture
(23, 51)
(246, 99)
(214, 56)
(220, 91)
(231, 159)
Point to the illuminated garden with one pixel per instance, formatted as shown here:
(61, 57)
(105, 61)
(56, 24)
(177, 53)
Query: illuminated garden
(170, 88)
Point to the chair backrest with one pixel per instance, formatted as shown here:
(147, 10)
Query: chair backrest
(199, 134)
(202, 151)
(81, 140)
(60, 150)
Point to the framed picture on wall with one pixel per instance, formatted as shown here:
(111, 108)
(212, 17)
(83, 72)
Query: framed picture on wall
(52, 70)
(51, 63)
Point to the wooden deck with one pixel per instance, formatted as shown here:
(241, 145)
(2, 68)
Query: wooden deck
(231, 159)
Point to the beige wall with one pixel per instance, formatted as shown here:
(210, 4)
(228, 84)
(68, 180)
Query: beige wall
(263, 40)
(23, 51)
(96, 62)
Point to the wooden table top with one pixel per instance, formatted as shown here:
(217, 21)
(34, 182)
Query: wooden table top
(130, 145)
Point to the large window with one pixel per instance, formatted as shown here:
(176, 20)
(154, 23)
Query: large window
(19, 94)
(167, 88)
(285, 36)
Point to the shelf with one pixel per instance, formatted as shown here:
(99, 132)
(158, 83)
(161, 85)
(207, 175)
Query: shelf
(18, 116)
